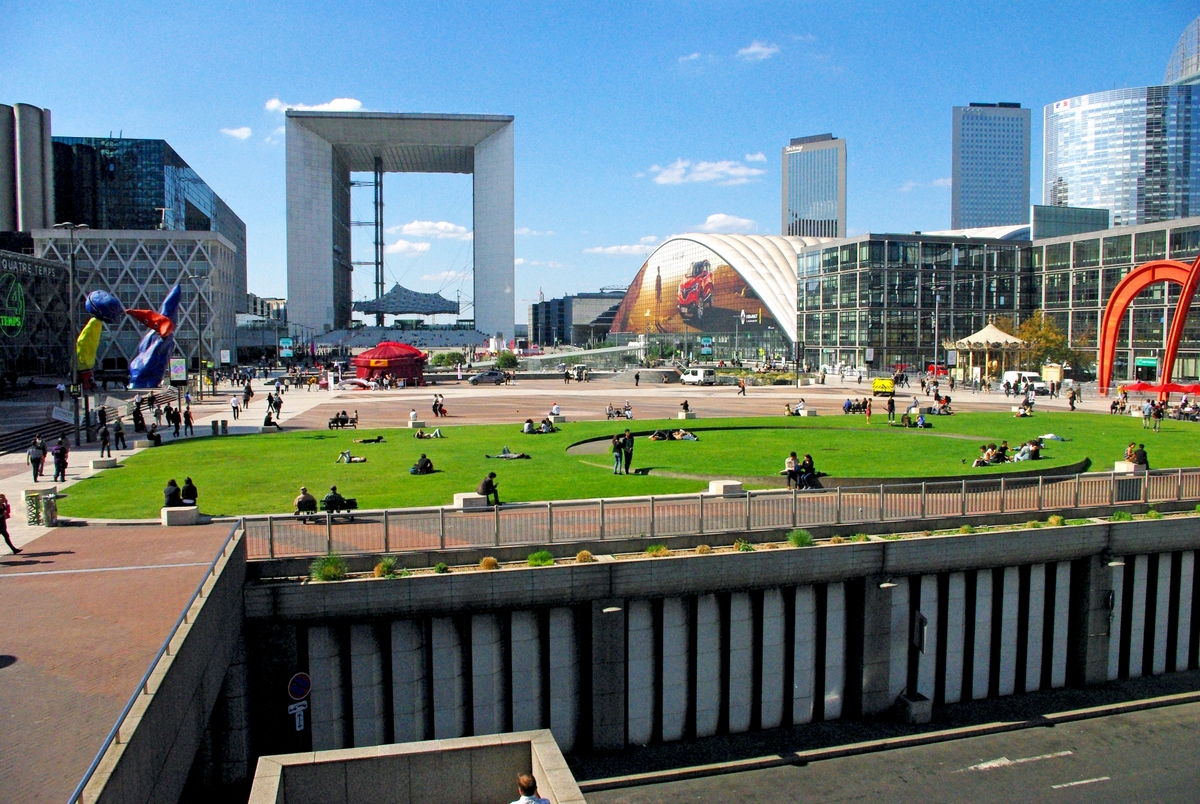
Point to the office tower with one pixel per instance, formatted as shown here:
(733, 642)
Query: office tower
(990, 173)
(814, 187)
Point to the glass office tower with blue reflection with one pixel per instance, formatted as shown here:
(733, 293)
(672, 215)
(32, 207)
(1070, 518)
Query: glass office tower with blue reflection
(814, 187)
(989, 181)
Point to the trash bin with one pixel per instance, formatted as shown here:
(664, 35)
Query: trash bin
(215, 427)
(50, 510)
(224, 426)
(33, 506)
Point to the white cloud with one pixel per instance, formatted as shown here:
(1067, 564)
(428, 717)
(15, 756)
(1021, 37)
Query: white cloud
(942, 182)
(441, 230)
(912, 185)
(806, 37)
(335, 105)
(648, 239)
(909, 185)
(758, 51)
(405, 247)
(551, 264)
(689, 57)
(519, 261)
(621, 251)
(727, 224)
(240, 133)
(525, 230)
(275, 137)
(758, 157)
(443, 276)
(725, 172)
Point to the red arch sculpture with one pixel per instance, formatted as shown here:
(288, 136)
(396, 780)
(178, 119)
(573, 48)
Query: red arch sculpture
(1140, 278)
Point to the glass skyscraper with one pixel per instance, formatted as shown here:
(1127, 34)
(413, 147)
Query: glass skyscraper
(814, 187)
(990, 172)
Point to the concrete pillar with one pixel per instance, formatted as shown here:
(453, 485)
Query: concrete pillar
(325, 700)
(1137, 634)
(1008, 630)
(983, 634)
(1117, 575)
(898, 634)
(366, 681)
(8, 173)
(675, 668)
(408, 681)
(1187, 568)
(47, 171)
(1162, 613)
(835, 650)
(927, 661)
(564, 678)
(804, 671)
(708, 665)
(878, 613)
(608, 675)
(1062, 616)
(1034, 626)
(449, 693)
(955, 619)
(526, 671)
(771, 703)
(641, 672)
(489, 700)
(741, 661)
(31, 210)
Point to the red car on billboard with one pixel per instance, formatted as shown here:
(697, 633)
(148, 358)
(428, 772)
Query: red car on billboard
(696, 290)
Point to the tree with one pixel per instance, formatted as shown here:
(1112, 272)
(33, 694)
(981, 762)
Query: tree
(1046, 342)
(506, 360)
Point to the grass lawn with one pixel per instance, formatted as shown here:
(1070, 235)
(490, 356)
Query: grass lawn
(263, 473)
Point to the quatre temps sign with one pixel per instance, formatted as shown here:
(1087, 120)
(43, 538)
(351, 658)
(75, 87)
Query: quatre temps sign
(12, 306)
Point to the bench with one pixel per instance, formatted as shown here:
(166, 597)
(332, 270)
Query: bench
(349, 504)
(415, 424)
(468, 501)
(142, 443)
(804, 412)
(103, 463)
(557, 419)
(686, 414)
(179, 515)
(335, 422)
(725, 488)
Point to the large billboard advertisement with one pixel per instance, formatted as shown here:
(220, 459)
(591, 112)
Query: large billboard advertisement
(685, 287)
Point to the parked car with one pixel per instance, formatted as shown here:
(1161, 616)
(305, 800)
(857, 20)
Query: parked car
(699, 376)
(493, 376)
(355, 384)
(696, 291)
(883, 386)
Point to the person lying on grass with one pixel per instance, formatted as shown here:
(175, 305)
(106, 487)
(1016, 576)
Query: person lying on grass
(375, 440)
(346, 457)
(508, 455)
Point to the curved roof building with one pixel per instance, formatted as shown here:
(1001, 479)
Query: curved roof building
(1184, 66)
(715, 282)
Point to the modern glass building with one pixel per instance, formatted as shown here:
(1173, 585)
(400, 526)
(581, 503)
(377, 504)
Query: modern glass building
(1050, 221)
(132, 184)
(34, 316)
(990, 169)
(814, 187)
(1184, 65)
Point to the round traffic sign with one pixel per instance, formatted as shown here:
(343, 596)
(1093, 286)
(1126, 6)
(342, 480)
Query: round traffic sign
(299, 686)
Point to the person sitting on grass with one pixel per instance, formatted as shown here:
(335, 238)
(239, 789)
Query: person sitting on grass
(921, 421)
(984, 459)
(487, 489)
(528, 428)
(375, 440)
(437, 433)
(547, 427)
(1001, 453)
(346, 457)
(1024, 453)
(423, 466)
(333, 501)
(660, 435)
(1022, 411)
(304, 500)
(172, 497)
(508, 455)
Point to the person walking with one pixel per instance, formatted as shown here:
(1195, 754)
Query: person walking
(867, 411)
(5, 513)
(233, 406)
(1147, 409)
(637, 378)
(1157, 415)
(175, 421)
(105, 442)
(1071, 398)
(627, 449)
(62, 392)
(741, 386)
(188, 421)
(35, 456)
(891, 409)
(60, 451)
(618, 450)
(119, 434)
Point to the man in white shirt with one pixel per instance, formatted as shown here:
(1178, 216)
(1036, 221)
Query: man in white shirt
(555, 410)
(527, 787)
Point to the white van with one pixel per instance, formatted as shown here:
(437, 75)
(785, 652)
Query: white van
(1021, 378)
(699, 376)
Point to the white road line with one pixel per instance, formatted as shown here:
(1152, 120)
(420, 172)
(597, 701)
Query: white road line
(1005, 762)
(101, 569)
(1081, 781)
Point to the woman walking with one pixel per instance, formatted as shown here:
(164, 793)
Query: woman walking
(5, 513)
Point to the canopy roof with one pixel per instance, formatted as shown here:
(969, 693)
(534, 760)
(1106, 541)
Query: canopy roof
(400, 301)
(990, 337)
(389, 350)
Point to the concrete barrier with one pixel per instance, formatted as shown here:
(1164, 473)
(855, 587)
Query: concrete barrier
(103, 463)
(686, 414)
(470, 500)
(560, 419)
(805, 412)
(182, 515)
(142, 443)
(725, 488)
(415, 424)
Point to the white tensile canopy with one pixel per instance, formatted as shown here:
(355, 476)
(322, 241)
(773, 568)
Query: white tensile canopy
(986, 341)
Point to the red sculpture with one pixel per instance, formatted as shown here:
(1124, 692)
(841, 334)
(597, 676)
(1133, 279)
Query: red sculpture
(1140, 278)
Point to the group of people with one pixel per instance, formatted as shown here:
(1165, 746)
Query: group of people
(992, 455)
(622, 451)
(674, 435)
(35, 457)
(801, 472)
(341, 420)
(611, 412)
(788, 410)
(1152, 414)
(175, 496)
(439, 406)
(858, 406)
(544, 427)
(1136, 455)
(307, 503)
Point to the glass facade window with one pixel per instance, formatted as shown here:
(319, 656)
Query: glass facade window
(1087, 253)
(990, 166)
(1118, 250)
(1185, 243)
(814, 187)
(1150, 246)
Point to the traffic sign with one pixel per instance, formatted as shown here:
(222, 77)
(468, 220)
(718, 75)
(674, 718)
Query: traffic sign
(299, 686)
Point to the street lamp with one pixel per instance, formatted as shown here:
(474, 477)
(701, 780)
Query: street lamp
(199, 330)
(71, 228)
(937, 298)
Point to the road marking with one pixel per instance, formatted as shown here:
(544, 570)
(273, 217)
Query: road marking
(1005, 762)
(1081, 781)
(101, 569)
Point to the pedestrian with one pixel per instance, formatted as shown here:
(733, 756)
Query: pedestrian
(867, 411)
(158, 414)
(1071, 398)
(62, 392)
(527, 787)
(1147, 410)
(741, 386)
(60, 451)
(233, 406)
(119, 434)
(637, 378)
(247, 393)
(35, 456)
(566, 377)
(627, 449)
(891, 409)
(105, 441)
(175, 420)
(188, 421)
(1157, 415)
(618, 450)
(5, 513)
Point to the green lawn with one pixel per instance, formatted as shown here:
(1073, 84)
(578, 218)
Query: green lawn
(261, 474)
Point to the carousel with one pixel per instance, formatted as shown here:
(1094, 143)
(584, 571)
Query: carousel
(400, 360)
(991, 349)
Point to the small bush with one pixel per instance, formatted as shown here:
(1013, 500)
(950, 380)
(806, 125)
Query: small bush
(1033, 523)
(488, 563)
(965, 529)
(329, 568)
(743, 546)
(657, 550)
(1121, 516)
(1154, 513)
(402, 573)
(703, 549)
(800, 538)
(386, 568)
(1055, 521)
(926, 533)
(440, 568)
(837, 540)
(860, 537)
(584, 557)
(1198, 508)
(506, 360)
(542, 558)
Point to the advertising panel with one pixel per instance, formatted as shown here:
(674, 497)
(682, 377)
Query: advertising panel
(178, 371)
(685, 287)
(285, 347)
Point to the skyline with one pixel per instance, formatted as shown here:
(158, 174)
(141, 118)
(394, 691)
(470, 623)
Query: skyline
(678, 127)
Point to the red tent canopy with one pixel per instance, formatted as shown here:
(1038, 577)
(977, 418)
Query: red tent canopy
(1168, 388)
(398, 359)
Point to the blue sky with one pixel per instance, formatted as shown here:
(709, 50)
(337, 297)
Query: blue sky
(634, 121)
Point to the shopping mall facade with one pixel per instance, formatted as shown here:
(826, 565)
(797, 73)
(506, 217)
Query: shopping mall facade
(882, 300)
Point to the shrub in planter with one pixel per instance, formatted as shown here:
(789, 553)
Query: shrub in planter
(488, 563)
(800, 538)
(965, 529)
(658, 551)
(743, 546)
(542, 558)
(584, 557)
(837, 540)
(1121, 516)
(440, 568)
(860, 537)
(703, 549)
(329, 568)
(1055, 521)
(1154, 513)
(386, 568)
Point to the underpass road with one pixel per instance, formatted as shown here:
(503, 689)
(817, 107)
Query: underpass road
(1149, 756)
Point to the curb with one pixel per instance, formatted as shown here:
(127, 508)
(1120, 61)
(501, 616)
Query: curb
(886, 744)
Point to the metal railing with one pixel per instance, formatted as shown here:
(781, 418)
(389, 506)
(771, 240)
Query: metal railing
(565, 521)
(143, 685)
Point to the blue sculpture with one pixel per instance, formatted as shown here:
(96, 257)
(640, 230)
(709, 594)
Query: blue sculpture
(154, 352)
(105, 306)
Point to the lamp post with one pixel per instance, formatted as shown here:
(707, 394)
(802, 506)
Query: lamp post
(199, 332)
(937, 298)
(71, 228)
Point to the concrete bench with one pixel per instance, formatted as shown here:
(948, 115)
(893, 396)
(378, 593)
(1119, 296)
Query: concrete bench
(468, 501)
(142, 443)
(183, 515)
(1125, 466)
(686, 414)
(104, 463)
(415, 424)
(725, 488)
(559, 419)
(805, 412)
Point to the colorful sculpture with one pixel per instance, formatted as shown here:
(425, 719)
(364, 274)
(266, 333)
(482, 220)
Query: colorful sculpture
(154, 352)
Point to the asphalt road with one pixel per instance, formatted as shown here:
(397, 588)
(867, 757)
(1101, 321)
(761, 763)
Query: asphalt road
(1149, 756)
